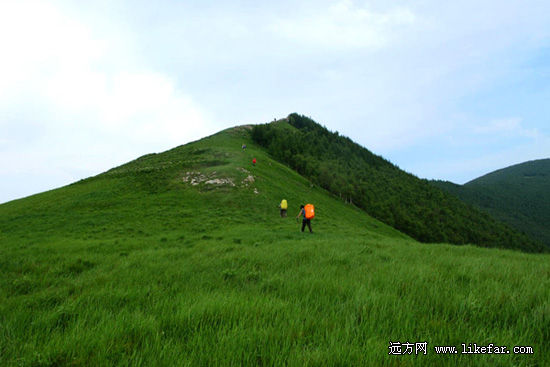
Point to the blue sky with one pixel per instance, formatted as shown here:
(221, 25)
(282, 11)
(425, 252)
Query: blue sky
(445, 90)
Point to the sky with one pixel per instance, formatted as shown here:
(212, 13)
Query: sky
(446, 90)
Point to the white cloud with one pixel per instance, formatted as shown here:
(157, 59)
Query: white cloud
(140, 106)
(113, 80)
(471, 151)
(57, 63)
(464, 169)
(36, 39)
(343, 25)
(499, 126)
(68, 110)
(511, 126)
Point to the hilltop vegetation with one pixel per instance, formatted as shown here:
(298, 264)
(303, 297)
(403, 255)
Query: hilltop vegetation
(181, 259)
(518, 195)
(389, 194)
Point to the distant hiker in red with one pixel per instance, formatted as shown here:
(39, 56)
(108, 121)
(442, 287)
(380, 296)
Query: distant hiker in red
(308, 215)
(254, 161)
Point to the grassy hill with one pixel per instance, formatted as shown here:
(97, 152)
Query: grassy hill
(389, 194)
(518, 195)
(181, 258)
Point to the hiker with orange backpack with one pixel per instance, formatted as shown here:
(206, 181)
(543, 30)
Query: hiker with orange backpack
(308, 211)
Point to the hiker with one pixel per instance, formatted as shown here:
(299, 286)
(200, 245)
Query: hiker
(254, 161)
(283, 206)
(305, 219)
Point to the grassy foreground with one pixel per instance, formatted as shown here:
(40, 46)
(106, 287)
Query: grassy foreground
(137, 267)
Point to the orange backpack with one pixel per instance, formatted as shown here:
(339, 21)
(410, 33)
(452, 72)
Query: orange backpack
(310, 211)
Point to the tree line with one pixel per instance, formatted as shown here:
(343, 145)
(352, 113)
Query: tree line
(384, 191)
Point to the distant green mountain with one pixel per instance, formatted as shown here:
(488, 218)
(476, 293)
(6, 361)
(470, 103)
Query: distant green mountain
(518, 195)
(384, 191)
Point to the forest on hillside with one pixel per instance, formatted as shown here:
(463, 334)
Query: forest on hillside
(384, 191)
(517, 195)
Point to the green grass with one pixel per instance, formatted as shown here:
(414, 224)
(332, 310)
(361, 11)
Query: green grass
(136, 267)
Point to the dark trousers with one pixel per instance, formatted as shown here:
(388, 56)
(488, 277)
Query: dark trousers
(283, 213)
(308, 222)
